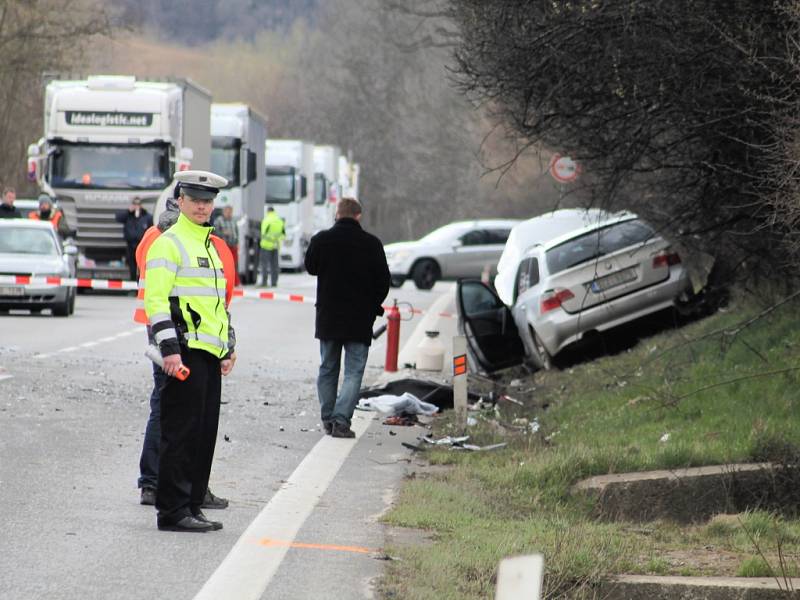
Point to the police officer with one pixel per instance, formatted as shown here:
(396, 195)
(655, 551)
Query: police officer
(184, 300)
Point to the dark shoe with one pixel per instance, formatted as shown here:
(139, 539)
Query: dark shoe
(328, 427)
(212, 501)
(148, 497)
(187, 524)
(342, 431)
(201, 517)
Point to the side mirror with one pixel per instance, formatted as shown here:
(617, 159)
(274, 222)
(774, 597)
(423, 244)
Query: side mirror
(303, 187)
(185, 157)
(457, 244)
(243, 178)
(33, 162)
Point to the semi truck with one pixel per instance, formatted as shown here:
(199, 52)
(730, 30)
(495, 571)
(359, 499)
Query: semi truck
(290, 191)
(326, 185)
(108, 139)
(238, 139)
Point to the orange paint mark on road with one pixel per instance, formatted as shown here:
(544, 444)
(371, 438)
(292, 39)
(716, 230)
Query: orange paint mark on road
(269, 542)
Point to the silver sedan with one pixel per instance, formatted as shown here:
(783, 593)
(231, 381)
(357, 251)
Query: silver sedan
(32, 249)
(461, 249)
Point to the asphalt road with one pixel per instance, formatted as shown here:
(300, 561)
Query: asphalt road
(304, 508)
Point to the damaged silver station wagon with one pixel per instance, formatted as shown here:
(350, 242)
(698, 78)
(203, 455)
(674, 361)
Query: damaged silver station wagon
(589, 280)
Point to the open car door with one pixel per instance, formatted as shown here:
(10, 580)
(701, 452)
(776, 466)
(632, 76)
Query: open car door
(492, 337)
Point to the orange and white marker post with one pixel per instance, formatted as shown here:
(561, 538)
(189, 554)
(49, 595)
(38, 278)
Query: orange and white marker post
(460, 381)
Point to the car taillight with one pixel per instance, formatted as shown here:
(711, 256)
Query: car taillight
(666, 259)
(554, 298)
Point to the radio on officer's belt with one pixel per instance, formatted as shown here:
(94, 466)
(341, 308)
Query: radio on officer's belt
(154, 354)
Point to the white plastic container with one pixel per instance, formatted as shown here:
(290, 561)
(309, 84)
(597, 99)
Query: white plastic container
(430, 352)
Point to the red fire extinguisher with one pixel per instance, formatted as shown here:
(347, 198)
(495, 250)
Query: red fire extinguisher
(392, 337)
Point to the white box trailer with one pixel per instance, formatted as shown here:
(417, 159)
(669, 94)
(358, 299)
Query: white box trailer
(238, 139)
(327, 190)
(108, 139)
(290, 191)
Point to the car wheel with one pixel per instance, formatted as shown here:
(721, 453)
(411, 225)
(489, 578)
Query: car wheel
(425, 274)
(397, 281)
(62, 309)
(543, 356)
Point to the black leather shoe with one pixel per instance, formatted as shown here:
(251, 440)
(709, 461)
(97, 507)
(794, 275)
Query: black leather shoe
(328, 427)
(187, 524)
(342, 431)
(148, 497)
(212, 501)
(201, 517)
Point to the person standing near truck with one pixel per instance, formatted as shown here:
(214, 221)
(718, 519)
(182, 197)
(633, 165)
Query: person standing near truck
(226, 228)
(272, 233)
(135, 221)
(7, 208)
(46, 212)
(184, 300)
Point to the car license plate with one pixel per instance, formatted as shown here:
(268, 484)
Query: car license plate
(12, 291)
(613, 280)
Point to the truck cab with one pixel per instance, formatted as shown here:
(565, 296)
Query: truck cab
(108, 139)
(290, 191)
(238, 138)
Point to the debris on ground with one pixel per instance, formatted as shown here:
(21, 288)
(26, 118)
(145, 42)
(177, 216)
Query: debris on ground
(403, 420)
(458, 443)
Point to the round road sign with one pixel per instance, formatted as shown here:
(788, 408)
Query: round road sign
(563, 168)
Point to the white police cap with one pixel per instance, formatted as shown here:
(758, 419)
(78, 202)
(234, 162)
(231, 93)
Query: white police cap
(202, 185)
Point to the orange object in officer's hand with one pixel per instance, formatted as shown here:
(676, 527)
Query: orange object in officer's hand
(154, 354)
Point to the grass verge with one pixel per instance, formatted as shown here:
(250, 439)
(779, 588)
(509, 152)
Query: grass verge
(712, 392)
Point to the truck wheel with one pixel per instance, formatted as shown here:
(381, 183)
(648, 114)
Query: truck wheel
(425, 273)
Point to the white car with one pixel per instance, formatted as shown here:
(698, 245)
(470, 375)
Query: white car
(589, 280)
(461, 249)
(32, 248)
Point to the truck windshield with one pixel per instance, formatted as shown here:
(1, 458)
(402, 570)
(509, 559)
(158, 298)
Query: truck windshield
(110, 166)
(225, 158)
(280, 185)
(320, 189)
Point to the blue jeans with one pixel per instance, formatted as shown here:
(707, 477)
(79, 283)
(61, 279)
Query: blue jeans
(148, 462)
(340, 408)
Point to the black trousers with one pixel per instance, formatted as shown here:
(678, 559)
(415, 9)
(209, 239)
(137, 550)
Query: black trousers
(130, 257)
(189, 422)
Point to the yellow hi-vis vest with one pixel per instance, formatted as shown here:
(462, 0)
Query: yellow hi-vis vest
(272, 232)
(184, 291)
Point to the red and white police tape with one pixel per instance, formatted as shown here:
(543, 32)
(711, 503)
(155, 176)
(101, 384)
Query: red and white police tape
(118, 284)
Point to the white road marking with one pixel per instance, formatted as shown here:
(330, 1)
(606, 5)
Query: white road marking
(249, 567)
(90, 344)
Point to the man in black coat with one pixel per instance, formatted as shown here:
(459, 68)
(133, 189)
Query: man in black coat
(135, 221)
(352, 282)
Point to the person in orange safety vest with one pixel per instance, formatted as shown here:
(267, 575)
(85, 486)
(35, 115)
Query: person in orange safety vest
(148, 462)
(47, 213)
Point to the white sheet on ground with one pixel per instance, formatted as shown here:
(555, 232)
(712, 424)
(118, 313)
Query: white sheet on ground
(396, 405)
